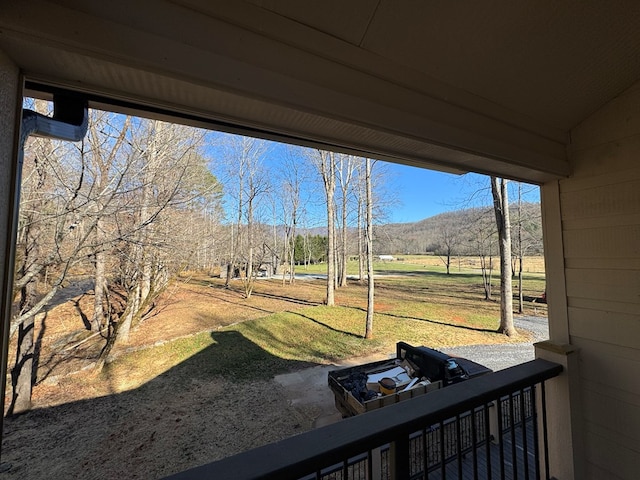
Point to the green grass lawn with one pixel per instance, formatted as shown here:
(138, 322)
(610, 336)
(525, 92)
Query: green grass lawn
(424, 306)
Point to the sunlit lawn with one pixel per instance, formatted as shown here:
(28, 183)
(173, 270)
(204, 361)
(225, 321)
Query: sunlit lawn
(418, 304)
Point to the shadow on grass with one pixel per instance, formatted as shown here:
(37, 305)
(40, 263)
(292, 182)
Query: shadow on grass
(242, 301)
(428, 320)
(236, 358)
(299, 301)
(328, 327)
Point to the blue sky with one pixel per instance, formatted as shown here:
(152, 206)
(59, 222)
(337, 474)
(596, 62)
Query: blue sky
(424, 193)
(418, 193)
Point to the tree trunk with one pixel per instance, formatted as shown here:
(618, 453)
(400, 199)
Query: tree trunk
(145, 284)
(360, 242)
(486, 276)
(501, 209)
(370, 290)
(343, 245)
(331, 261)
(22, 372)
(125, 324)
(229, 274)
(327, 170)
(520, 296)
(520, 251)
(99, 290)
(248, 277)
(292, 253)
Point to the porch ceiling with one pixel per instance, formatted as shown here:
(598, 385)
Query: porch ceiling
(493, 86)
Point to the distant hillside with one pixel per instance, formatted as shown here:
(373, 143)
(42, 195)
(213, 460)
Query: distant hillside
(460, 227)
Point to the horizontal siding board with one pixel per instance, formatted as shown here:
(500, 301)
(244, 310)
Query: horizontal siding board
(622, 330)
(604, 221)
(620, 198)
(618, 242)
(598, 350)
(604, 284)
(625, 263)
(612, 456)
(603, 305)
(622, 395)
(594, 472)
(620, 421)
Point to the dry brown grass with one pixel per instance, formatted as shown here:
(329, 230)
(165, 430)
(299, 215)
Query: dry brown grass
(532, 264)
(439, 311)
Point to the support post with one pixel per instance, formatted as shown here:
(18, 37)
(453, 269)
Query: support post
(10, 107)
(563, 412)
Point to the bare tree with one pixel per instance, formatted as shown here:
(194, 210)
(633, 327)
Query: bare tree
(501, 210)
(246, 182)
(102, 203)
(345, 166)
(167, 175)
(481, 237)
(293, 174)
(361, 218)
(520, 253)
(105, 142)
(528, 237)
(449, 238)
(256, 186)
(369, 250)
(47, 247)
(326, 165)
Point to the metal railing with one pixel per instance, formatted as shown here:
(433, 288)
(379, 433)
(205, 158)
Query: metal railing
(484, 428)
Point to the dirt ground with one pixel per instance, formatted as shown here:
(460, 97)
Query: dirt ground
(149, 433)
(80, 428)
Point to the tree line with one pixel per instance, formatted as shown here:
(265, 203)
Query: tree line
(128, 207)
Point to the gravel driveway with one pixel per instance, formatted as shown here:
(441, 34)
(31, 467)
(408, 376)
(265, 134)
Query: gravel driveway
(498, 357)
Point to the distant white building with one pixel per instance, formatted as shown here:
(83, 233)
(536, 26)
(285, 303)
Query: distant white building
(386, 258)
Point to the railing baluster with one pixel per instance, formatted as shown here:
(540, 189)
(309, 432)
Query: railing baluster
(459, 445)
(545, 433)
(474, 443)
(501, 422)
(488, 440)
(525, 450)
(514, 452)
(443, 464)
(425, 455)
(536, 437)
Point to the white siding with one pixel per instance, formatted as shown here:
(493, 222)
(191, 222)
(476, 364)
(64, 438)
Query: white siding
(600, 212)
